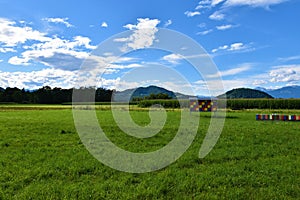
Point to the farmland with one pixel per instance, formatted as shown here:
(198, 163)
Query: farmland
(42, 157)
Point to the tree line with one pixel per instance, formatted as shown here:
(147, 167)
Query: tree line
(48, 95)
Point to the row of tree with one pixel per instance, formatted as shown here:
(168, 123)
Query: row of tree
(48, 95)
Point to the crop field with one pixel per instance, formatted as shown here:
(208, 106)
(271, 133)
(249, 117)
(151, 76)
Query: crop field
(42, 157)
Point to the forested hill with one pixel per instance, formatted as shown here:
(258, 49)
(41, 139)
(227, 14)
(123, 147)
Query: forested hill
(245, 93)
(141, 92)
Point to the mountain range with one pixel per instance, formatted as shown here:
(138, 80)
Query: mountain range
(285, 92)
(259, 92)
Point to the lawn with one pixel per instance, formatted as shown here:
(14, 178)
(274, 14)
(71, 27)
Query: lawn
(42, 157)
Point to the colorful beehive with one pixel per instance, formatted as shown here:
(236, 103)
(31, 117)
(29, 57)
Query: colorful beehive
(278, 117)
(203, 105)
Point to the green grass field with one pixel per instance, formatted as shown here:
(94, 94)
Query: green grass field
(42, 157)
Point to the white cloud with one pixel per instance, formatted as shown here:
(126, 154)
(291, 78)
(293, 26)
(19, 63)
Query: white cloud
(6, 49)
(205, 32)
(253, 3)
(96, 65)
(208, 4)
(220, 48)
(285, 73)
(224, 27)
(59, 21)
(217, 16)
(11, 35)
(235, 47)
(259, 82)
(18, 61)
(143, 23)
(168, 23)
(289, 58)
(192, 14)
(37, 79)
(104, 25)
(1, 60)
(216, 2)
(143, 34)
(204, 4)
(173, 58)
(231, 72)
(56, 52)
(282, 74)
(176, 58)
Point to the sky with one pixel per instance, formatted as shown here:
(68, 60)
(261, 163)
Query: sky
(253, 43)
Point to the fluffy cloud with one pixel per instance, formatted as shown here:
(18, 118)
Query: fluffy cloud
(104, 25)
(6, 49)
(224, 27)
(173, 58)
(11, 34)
(285, 73)
(192, 14)
(282, 75)
(143, 34)
(37, 79)
(59, 21)
(56, 52)
(239, 46)
(54, 78)
(48, 50)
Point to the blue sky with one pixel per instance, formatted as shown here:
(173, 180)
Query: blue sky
(254, 43)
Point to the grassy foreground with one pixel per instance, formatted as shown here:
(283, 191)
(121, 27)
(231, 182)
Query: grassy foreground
(42, 157)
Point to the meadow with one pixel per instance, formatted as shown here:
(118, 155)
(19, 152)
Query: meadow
(42, 157)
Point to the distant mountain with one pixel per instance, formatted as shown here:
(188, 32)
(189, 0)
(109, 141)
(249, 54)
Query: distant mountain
(261, 89)
(2, 89)
(244, 93)
(285, 92)
(126, 95)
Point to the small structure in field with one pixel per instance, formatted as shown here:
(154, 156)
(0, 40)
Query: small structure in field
(203, 104)
(277, 117)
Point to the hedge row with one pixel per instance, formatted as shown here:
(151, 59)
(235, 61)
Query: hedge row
(235, 104)
(238, 104)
